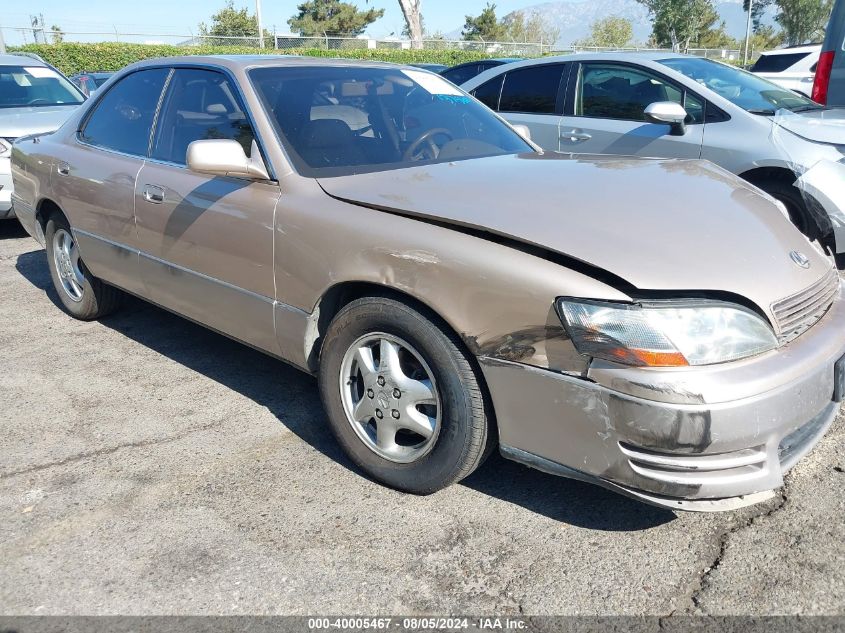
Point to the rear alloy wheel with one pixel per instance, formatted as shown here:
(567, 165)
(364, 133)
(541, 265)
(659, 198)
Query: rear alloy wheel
(83, 295)
(402, 397)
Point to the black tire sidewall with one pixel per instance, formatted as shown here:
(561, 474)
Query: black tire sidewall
(459, 428)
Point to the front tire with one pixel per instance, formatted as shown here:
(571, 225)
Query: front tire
(402, 397)
(795, 204)
(83, 296)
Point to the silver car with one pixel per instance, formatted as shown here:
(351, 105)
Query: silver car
(653, 326)
(678, 106)
(34, 98)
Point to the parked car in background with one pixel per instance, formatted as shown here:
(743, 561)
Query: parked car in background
(680, 106)
(89, 82)
(34, 98)
(793, 68)
(829, 87)
(655, 327)
(464, 72)
(435, 68)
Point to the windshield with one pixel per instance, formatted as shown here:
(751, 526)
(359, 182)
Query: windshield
(32, 86)
(337, 121)
(749, 92)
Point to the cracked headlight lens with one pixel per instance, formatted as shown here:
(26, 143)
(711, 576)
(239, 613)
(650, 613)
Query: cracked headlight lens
(665, 334)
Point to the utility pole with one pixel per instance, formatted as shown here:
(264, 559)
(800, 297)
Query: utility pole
(747, 33)
(2, 42)
(260, 24)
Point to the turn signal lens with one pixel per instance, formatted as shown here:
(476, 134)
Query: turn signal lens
(669, 334)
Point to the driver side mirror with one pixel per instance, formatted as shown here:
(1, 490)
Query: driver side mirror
(226, 157)
(668, 112)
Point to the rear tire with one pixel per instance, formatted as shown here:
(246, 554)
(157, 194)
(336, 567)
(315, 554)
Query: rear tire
(402, 397)
(83, 296)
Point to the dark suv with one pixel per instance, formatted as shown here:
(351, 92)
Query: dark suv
(829, 87)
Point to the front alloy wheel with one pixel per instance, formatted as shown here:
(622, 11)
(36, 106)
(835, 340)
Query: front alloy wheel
(390, 397)
(402, 396)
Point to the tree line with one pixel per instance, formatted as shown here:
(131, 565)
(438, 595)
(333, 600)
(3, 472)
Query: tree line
(679, 24)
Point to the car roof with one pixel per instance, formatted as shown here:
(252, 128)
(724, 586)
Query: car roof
(791, 50)
(20, 60)
(237, 62)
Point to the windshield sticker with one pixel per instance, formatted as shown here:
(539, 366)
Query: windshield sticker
(433, 84)
(453, 98)
(40, 72)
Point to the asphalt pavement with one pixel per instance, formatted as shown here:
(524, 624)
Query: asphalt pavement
(150, 466)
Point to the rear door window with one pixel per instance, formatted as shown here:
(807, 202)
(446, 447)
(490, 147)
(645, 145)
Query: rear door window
(488, 92)
(532, 90)
(123, 118)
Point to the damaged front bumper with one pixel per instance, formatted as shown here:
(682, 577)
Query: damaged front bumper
(825, 184)
(704, 438)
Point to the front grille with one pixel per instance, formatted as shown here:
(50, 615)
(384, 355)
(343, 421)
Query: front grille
(798, 313)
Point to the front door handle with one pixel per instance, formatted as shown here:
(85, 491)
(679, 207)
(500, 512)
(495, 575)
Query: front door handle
(63, 169)
(154, 194)
(575, 136)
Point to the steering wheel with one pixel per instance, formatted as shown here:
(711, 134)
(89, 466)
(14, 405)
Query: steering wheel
(426, 137)
(38, 100)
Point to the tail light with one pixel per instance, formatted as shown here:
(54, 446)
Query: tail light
(823, 71)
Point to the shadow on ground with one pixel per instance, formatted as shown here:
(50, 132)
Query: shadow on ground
(290, 395)
(11, 229)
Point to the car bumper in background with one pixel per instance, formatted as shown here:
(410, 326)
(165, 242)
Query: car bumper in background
(667, 437)
(6, 189)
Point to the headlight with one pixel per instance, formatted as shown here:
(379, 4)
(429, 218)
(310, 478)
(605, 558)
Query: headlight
(666, 334)
(6, 146)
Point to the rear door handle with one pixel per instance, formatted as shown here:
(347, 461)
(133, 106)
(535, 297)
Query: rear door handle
(575, 136)
(63, 169)
(154, 194)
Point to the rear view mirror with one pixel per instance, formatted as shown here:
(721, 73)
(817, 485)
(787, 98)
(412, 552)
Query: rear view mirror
(522, 130)
(668, 112)
(225, 157)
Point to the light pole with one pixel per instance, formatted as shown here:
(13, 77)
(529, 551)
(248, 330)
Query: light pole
(260, 24)
(2, 42)
(747, 32)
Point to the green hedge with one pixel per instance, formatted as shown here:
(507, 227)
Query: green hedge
(72, 58)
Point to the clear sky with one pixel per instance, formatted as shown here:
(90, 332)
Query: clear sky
(180, 17)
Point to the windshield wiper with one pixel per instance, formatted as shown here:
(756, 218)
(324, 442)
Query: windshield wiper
(808, 107)
(762, 111)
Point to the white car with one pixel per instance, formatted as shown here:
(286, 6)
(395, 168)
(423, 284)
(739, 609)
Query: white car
(667, 105)
(34, 98)
(792, 68)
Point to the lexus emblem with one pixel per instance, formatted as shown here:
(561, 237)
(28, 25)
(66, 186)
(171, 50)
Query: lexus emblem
(799, 258)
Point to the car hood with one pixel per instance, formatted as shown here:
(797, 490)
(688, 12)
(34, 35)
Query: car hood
(17, 122)
(820, 126)
(660, 225)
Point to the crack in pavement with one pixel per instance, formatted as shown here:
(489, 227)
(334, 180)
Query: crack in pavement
(111, 449)
(703, 580)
